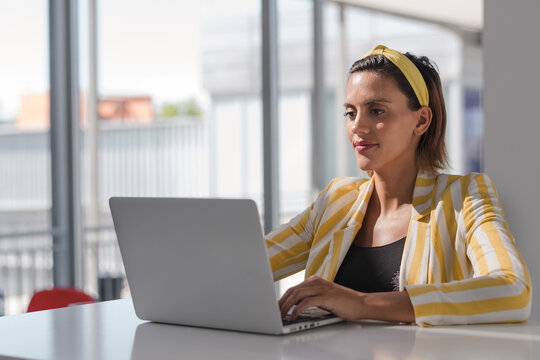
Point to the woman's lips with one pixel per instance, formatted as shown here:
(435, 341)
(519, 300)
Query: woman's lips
(361, 146)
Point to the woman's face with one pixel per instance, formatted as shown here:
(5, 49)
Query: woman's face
(383, 131)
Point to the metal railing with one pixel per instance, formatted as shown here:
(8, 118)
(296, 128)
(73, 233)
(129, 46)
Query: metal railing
(26, 261)
(26, 265)
(163, 158)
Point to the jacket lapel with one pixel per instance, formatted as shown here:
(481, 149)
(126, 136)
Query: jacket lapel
(342, 239)
(414, 264)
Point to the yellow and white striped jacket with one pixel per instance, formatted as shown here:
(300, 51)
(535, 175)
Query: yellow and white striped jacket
(460, 264)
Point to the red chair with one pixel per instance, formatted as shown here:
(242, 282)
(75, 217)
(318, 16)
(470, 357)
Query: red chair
(57, 297)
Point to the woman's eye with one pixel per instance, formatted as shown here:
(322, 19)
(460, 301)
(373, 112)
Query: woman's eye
(349, 114)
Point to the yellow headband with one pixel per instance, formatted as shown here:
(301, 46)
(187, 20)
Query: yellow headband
(408, 69)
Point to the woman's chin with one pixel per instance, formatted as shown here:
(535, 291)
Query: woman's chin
(366, 165)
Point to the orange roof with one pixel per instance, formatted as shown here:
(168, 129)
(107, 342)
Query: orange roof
(35, 109)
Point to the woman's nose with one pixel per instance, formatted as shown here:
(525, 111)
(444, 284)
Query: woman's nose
(359, 125)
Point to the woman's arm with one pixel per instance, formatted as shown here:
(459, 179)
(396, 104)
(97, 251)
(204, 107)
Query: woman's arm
(500, 289)
(288, 245)
(346, 303)
(388, 306)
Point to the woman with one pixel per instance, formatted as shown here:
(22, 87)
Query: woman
(440, 240)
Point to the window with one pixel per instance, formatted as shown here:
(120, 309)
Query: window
(25, 195)
(179, 113)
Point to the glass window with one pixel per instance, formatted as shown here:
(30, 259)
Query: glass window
(179, 113)
(295, 66)
(25, 195)
(474, 131)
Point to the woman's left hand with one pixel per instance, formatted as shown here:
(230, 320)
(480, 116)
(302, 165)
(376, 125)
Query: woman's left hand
(316, 291)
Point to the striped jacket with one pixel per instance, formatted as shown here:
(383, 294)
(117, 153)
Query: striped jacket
(460, 264)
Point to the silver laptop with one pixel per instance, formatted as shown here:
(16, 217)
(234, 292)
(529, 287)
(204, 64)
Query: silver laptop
(201, 262)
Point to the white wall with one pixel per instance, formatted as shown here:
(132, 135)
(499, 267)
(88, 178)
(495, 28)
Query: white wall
(512, 121)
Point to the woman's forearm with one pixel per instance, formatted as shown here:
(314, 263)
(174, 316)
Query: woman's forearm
(387, 306)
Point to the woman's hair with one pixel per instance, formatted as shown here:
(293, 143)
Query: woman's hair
(431, 151)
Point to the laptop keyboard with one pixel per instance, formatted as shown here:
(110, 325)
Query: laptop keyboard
(310, 314)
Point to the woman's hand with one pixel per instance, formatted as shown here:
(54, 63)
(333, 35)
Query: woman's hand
(315, 291)
(346, 303)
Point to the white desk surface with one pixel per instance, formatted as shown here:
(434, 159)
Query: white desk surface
(110, 330)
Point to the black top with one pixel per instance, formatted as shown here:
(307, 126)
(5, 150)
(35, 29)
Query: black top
(371, 269)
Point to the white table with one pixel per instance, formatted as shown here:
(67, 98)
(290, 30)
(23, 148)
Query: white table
(110, 330)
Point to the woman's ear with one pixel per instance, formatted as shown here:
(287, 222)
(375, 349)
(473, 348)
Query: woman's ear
(424, 116)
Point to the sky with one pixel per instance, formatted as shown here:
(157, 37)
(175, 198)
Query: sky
(23, 44)
(144, 48)
(150, 48)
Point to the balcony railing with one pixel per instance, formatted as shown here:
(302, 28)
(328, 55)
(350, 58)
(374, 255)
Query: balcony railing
(163, 158)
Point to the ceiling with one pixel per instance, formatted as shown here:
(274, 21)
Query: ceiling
(466, 15)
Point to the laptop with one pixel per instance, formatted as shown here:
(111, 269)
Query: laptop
(202, 262)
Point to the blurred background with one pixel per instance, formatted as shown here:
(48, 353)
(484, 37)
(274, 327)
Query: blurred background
(170, 103)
